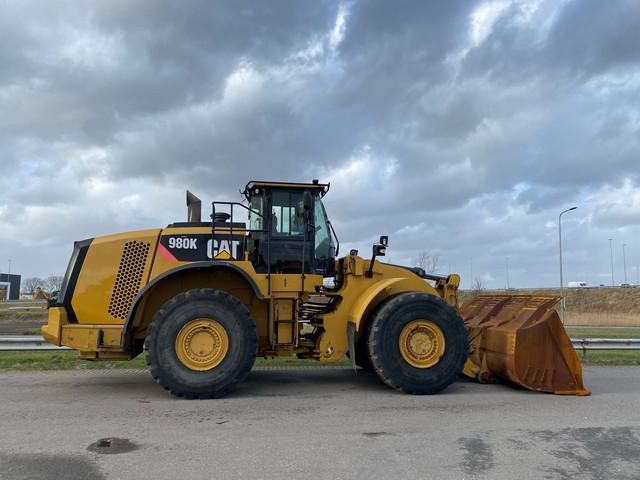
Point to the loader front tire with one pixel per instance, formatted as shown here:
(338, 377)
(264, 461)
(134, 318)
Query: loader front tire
(201, 344)
(363, 360)
(418, 343)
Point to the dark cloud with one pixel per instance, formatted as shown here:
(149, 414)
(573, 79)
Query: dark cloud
(459, 127)
(592, 37)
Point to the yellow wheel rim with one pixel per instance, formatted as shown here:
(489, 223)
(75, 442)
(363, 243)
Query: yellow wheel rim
(421, 343)
(202, 344)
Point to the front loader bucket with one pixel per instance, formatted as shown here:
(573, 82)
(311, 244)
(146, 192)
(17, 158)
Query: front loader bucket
(520, 339)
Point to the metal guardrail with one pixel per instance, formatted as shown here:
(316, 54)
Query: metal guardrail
(586, 344)
(13, 343)
(36, 342)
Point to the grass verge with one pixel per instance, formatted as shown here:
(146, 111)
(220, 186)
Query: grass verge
(32, 331)
(70, 361)
(603, 332)
(613, 357)
(9, 313)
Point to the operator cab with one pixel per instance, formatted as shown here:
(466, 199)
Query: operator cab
(288, 228)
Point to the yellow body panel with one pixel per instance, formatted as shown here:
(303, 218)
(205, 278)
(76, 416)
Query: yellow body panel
(85, 338)
(93, 297)
(52, 331)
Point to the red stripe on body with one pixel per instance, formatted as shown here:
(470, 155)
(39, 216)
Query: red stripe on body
(166, 254)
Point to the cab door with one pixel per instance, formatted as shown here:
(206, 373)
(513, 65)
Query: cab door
(289, 237)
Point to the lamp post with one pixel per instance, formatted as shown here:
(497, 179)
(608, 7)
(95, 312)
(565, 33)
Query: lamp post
(560, 245)
(613, 284)
(624, 261)
(9, 271)
(507, 260)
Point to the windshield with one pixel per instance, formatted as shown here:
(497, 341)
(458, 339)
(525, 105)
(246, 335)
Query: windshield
(323, 242)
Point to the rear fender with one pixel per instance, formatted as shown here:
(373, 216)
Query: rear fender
(173, 274)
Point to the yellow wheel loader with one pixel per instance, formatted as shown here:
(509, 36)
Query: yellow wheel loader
(205, 298)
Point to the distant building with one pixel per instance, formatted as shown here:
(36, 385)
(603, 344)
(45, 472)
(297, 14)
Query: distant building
(9, 286)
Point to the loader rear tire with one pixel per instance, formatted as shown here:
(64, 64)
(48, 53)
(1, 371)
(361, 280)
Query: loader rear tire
(223, 323)
(445, 352)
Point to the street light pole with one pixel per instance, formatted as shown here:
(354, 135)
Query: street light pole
(613, 283)
(624, 261)
(507, 273)
(560, 245)
(9, 272)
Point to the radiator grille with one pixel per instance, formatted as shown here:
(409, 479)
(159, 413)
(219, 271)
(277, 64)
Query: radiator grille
(129, 278)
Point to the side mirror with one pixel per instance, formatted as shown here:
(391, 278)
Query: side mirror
(379, 250)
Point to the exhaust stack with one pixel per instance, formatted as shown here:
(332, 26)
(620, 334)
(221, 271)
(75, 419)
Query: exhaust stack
(194, 208)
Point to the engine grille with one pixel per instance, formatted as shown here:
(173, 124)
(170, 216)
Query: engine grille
(129, 278)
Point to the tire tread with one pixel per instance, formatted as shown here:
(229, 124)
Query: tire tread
(377, 324)
(161, 315)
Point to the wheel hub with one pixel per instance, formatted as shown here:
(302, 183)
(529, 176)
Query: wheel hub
(202, 344)
(421, 343)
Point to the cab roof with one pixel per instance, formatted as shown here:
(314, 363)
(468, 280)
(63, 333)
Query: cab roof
(323, 188)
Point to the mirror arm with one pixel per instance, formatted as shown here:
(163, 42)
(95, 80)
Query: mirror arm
(369, 273)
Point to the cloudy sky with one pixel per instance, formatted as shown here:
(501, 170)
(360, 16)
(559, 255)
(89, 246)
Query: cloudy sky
(460, 128)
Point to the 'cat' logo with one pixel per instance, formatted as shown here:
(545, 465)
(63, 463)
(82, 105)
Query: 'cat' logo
(223, 249)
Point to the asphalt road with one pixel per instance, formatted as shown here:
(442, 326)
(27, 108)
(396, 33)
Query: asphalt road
(315, 423)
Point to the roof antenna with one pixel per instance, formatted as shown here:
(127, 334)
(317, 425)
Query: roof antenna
(194, 208)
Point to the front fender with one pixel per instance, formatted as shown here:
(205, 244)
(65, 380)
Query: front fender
(365, 301)
(380, 291)
(355, 308)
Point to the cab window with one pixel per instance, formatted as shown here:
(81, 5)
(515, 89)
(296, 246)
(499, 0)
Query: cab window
(287, 213)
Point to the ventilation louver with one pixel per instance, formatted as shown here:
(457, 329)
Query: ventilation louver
(129, 278)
